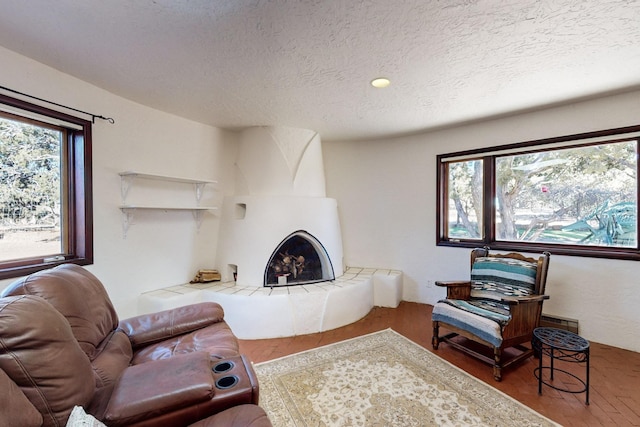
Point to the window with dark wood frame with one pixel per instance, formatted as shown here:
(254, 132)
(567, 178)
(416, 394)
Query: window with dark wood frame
(570, 195)
(75, 180)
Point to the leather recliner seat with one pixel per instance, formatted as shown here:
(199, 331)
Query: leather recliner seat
(62, 344)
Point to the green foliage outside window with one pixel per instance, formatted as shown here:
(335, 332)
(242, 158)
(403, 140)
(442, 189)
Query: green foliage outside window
(30, 196)
(581, 195)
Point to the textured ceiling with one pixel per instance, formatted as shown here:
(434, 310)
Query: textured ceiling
(308, 63)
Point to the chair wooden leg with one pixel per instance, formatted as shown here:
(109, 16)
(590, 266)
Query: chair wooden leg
(435, 341)
(497, 365)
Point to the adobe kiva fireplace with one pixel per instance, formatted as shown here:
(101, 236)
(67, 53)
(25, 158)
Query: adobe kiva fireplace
(279, 228)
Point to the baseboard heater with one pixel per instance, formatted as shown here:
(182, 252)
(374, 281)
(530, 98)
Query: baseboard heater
(570, 325)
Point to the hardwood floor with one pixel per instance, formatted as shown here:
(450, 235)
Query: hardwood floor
(615, 373)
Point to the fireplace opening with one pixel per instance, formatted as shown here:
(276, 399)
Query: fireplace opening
(299, 259)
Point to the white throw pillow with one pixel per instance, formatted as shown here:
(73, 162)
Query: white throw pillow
(79, 418)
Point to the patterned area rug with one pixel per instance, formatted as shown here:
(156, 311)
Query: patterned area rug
(382, 379)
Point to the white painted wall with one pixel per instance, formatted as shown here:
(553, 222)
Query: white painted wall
(386, 192)
(161, 249)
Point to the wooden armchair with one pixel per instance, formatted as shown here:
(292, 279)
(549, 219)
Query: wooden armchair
(499, 307)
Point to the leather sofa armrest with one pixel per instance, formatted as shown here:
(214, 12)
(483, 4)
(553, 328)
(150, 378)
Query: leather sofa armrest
(155, 327)
(149, 390)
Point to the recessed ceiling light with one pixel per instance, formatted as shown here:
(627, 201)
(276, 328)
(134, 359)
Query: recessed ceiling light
(380, 82)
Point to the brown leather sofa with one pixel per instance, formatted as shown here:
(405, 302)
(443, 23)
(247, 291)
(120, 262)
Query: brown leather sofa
(62, 344)
(238, 416)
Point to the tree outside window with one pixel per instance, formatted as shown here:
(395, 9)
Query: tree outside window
(465, 199)
(584, 195)
(30, 196)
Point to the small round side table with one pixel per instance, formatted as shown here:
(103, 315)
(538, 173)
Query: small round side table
(561, 345)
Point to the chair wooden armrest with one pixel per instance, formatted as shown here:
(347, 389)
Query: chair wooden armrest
(524, 300)
(458, 289)
(454, 283)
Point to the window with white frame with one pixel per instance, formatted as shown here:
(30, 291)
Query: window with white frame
(573, 195)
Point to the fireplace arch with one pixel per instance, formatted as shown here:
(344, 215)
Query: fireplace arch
(299, 259)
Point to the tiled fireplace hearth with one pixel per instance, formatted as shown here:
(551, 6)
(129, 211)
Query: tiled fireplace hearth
(263, 312)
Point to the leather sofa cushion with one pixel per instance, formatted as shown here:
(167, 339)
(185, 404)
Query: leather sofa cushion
(41, 355)
(15, 408)
(79, 296)
(238, 416)
(112, 358)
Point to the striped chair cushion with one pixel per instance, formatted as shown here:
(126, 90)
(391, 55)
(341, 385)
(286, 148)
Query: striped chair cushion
(482, 327)
(493, 278)
(490, 309)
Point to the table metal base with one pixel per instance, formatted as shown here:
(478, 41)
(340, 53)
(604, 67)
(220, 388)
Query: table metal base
(564, 346)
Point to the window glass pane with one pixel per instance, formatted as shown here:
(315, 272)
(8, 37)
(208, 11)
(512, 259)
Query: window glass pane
(578, 196)
(30, 196)
(464, 204)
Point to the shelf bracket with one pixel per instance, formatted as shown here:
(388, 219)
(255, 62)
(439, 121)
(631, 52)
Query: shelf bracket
(199, 186)
(125, 185)
(127, 220)
(197, 216)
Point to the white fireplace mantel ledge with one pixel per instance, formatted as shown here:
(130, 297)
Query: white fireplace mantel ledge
(262, 312)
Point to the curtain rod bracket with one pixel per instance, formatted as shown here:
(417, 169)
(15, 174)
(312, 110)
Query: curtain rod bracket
(108, 119)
